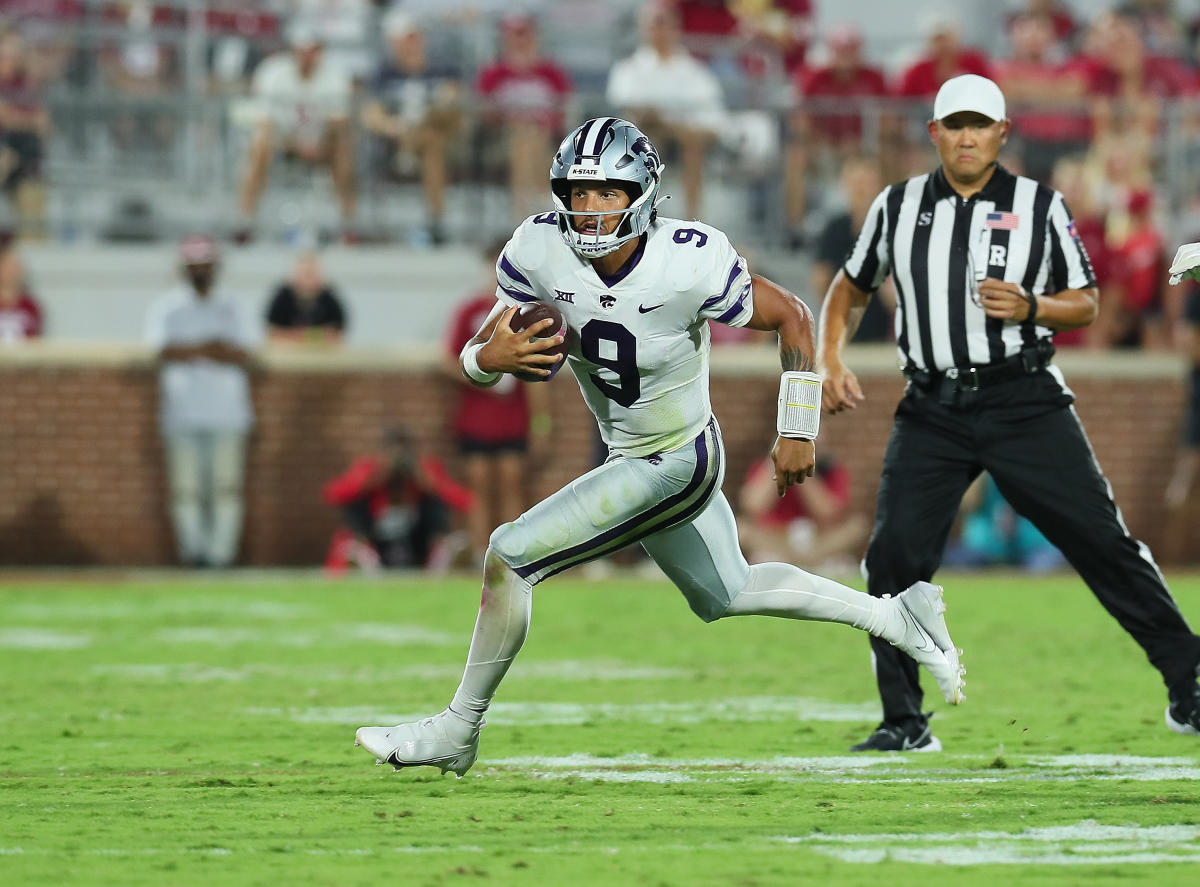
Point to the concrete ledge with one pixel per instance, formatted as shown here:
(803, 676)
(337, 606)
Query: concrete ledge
(729, 361)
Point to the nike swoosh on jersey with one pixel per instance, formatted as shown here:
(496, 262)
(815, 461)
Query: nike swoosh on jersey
(642, 309)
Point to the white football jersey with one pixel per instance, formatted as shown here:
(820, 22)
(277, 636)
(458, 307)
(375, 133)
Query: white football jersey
(638, 343)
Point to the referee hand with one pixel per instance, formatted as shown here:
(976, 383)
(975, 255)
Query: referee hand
(1003, 300)
(840, 390)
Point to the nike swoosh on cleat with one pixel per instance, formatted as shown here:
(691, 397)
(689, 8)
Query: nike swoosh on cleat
(930, 647)
(644, 310)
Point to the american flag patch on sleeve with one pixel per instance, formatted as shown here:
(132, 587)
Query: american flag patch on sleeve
(1003, 221)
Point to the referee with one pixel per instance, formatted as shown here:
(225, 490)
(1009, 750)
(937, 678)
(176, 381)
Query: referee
(987, 266)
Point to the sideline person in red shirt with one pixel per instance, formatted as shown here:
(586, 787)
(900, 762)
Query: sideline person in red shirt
(810, 525)
(394, 506)
(20, 315)
(493, 426)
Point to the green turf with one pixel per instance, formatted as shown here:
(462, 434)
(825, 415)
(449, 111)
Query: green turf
(176, 732)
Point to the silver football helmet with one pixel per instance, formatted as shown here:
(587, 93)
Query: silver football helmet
(606, 149)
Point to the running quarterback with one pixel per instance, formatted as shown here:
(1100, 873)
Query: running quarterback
(637, 292)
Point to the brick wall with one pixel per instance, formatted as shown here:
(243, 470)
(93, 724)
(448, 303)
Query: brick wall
(83, 481)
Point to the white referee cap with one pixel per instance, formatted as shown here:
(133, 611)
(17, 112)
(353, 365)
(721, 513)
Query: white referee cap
(969, 92)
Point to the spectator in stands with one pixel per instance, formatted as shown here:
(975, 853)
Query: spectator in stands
(237, 39)
(204, 342)
(1117, 166)
(1070, 179)
(860, 182)
(1127, 83)
(828, 122)
(20, 314)
(993, 535)
(494, 426)
(524, 93)
(415, 110)
(944, 57)
(811, 526)
(140, 66)
(1058, 13)
(303, 113)
(306, 309)
(24, 126)
(731, 28)
(1133, 303)
(1158, 23)
(670, 95)
(343, 27)
(394, 505)
(1049, 118)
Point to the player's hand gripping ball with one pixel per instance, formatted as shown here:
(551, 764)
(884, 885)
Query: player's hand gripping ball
(529, 314)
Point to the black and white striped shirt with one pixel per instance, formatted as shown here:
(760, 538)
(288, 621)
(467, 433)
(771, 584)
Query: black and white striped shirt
(937, 248)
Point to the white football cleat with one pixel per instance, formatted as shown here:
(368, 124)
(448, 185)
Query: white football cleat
(444, 741)
(927, 639)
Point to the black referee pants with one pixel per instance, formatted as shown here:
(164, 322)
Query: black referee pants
(1026, 435)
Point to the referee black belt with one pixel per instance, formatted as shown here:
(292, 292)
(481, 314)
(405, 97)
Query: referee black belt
(1027, 362)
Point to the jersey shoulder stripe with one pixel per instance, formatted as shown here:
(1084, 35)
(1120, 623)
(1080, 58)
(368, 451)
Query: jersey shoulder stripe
(507, 267)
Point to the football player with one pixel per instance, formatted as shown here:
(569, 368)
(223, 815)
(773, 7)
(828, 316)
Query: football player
(637, 292)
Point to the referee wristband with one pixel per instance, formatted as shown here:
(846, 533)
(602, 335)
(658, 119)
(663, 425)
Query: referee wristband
(1033, 305)
(471, 367)
(799, 413)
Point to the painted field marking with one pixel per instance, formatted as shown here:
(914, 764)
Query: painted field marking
(41, 639)
(390, 634)
(742, 708)
(1083, 843)
(74, 611)
(202, 673)
(844, 769)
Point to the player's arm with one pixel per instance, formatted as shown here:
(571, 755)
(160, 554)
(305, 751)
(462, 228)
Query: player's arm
(841, 313)
(780, 311)
(496, 349)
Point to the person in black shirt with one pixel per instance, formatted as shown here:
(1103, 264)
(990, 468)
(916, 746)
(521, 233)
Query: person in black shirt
(987, 266)
(306, 308)
(414, 109)
(860, 182)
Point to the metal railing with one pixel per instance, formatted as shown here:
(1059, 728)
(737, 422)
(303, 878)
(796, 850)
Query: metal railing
(177, 149)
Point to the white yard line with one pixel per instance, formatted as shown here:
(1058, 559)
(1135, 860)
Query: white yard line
(848, 770)
(75, 611)
(202, 673)
(744, 708)
(1084, 843)
(41, 639)
(390, 634)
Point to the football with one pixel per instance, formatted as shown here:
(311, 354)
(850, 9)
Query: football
(529, 314)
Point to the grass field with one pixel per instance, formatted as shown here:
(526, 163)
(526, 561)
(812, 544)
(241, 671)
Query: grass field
(168, 730)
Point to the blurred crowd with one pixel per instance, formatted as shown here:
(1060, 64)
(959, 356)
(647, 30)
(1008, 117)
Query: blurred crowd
(424, 93)
(365, 97)
(371, 100)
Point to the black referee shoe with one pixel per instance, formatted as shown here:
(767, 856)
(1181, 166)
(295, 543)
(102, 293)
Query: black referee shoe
(914, 735)
(1183, 714)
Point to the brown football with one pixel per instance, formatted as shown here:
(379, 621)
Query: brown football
(529, 314)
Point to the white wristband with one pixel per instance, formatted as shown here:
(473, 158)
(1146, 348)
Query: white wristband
(799, 413)
(471, 366)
